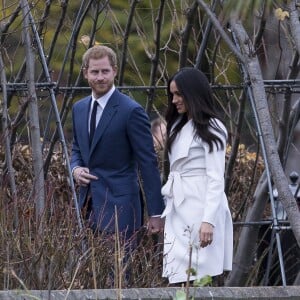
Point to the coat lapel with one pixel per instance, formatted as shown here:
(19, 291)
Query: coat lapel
(107, 114)
(182, 143)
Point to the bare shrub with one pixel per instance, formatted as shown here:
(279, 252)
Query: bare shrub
(62, 257)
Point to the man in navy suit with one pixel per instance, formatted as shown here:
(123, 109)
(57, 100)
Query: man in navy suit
(106, 161)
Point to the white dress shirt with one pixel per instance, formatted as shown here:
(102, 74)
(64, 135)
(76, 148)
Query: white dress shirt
(102, 101)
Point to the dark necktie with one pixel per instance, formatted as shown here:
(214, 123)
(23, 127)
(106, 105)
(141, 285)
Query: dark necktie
(93, 121)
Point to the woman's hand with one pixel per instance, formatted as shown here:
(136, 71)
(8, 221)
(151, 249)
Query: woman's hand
(206, 234)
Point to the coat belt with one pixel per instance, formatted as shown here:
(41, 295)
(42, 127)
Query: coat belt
(172, 191)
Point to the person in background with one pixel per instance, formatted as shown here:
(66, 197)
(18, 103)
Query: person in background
(158, 129)
(112, 144)
(198, 230)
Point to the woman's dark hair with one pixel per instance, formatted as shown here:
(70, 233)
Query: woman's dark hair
(194, 87)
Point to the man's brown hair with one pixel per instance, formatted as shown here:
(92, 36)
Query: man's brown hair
(97, 52)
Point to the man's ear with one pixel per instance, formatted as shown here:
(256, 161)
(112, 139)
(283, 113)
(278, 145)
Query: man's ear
(115, 70)
(84, 72)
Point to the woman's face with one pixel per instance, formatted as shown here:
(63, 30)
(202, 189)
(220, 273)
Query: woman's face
(177, 98)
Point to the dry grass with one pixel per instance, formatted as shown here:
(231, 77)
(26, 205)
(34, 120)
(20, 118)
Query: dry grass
(61, 257)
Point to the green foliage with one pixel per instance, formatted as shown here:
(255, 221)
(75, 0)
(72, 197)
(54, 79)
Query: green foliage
(204, 281)
(244, 8)
(180, 295)
(110, 26)
(191, 271)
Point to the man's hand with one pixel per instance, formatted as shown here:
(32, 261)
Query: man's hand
(82, 176)
(155, 225)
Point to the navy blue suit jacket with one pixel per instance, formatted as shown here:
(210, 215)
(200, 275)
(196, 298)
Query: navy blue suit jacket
(121, 146)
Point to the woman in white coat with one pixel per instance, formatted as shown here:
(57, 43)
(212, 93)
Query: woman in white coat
(198, 225)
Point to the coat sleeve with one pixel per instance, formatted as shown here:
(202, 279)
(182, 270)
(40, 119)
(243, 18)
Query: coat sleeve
(141, 140)
(215, 167)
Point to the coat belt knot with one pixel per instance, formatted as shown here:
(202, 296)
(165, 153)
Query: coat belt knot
(172, 192)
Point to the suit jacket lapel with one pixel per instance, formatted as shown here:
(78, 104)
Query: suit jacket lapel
(84, 121)
(107, 114)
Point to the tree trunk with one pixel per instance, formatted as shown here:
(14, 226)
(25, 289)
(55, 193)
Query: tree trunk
(277, 172)
(35, 137)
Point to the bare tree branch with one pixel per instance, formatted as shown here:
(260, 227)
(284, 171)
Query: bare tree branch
(155, 57)
(185, 35)
(8, 157)
(221, 30)
(4, 26)
(205, 39)
(125, 40)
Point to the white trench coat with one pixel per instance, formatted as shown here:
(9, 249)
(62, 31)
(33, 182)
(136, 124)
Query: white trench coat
(194, 193)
